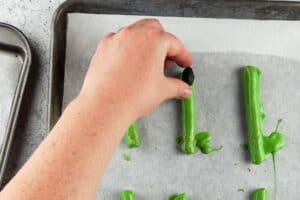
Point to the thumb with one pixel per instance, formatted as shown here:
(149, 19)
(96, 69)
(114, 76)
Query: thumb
(177, 88)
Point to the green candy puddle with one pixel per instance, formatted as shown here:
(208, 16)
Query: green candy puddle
(274, 142)
(127, 195)
(241, 190)
(203, 140)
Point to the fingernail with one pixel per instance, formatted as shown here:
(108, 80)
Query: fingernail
(187, 92)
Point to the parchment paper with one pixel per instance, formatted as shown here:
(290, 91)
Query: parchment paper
(220, 49)
(10, 66)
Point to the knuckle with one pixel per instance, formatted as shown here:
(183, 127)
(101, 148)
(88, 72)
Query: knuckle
(172, 37)
(154, 32)
(149, 21)
(106, 39)
(154, 21)
(109, 36)
(125, 31)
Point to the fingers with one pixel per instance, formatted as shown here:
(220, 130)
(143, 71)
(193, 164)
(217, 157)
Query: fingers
(168, 63)
(176, 88)
(104, 40)
(145, 23)
(109, 35)
(154, 23)
(176, 51)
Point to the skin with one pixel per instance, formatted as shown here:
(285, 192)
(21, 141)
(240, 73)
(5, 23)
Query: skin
(127, 195)
(132, 138)
(125, 82)
(260, 145)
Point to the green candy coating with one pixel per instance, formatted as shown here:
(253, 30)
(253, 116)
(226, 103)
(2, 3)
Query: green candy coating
(178, 197)
(260, 194)
(127, 195)
(191, 140)
(132, 137)
(203, 140)
(189, 121)
(126, 157)
(260, 145)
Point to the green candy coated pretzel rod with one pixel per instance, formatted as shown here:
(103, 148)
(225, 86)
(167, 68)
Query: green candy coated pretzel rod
(260, 145)
(178, 197)
(260, 194)
(132, 138)
(127, 195)
(191, 140)
(189, 121)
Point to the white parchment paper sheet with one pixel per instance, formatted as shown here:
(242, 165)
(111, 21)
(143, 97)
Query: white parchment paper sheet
(220, 47)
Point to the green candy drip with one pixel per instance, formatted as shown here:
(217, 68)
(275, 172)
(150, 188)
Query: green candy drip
(203, 140)
(275, 141)
(178, 197)
(260, 145)
(132, 138)
(192, 141)
(275, 176)
(260, 194)
(127, 195)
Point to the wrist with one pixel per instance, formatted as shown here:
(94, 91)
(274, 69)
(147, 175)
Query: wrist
(114, 111)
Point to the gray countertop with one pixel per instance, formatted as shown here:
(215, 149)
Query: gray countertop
(33, 17)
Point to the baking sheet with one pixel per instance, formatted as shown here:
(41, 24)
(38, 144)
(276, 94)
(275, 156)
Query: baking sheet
(10, 68)
(220, 48)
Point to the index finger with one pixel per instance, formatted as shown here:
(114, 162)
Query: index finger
(149, 22)
(176, 51)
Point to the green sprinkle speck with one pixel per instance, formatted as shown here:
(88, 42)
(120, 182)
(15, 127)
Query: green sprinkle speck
(126, 157)
(241, 190)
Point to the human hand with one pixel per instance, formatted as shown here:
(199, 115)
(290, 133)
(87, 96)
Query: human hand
(127, 69)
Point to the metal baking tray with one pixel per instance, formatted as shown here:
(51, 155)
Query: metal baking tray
(15, 61)
(210, 9)
(217, 112)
